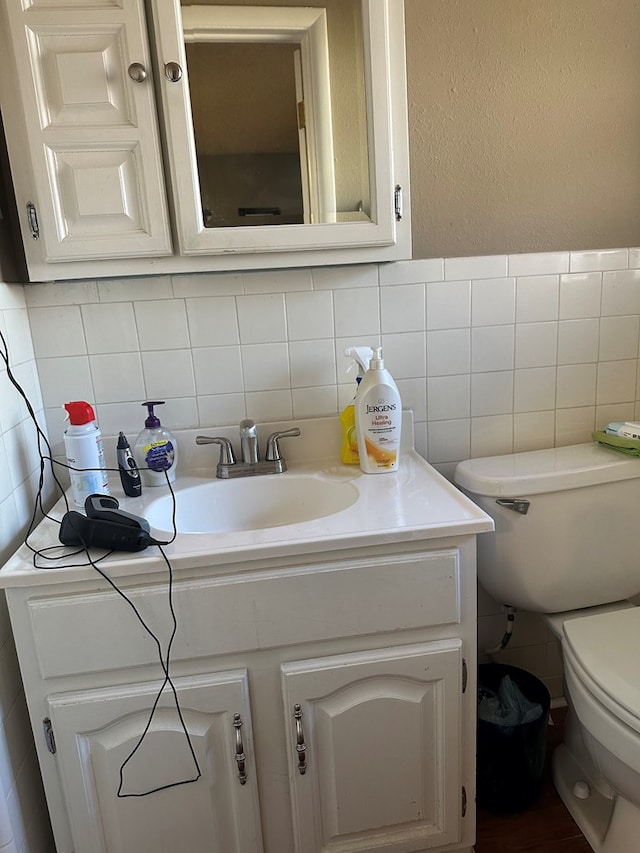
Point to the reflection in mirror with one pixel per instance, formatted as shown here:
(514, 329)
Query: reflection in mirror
(279, 115)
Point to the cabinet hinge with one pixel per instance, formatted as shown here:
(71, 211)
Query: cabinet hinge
(465, 675)
(49, 738)
(464, 801)
(32, 219)
(397, 202)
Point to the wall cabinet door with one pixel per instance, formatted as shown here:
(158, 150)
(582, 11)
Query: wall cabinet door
(95, 731)
(374, 749)
(86, 88)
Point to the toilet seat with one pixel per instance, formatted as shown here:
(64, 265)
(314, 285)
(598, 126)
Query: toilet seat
(602, 672)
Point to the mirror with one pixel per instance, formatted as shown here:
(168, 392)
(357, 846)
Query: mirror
(279, 113)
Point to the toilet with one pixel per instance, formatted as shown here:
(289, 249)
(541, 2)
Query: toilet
(567, 545)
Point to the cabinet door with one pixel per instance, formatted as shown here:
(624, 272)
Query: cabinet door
(96, 730)
(374, 749)
(98, 187)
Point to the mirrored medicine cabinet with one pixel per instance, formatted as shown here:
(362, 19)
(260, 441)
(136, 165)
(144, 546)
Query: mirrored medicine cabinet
(152, 137)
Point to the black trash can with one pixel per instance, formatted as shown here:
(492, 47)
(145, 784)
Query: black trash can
(511, 758)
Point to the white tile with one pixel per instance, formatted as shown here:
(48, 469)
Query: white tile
(448, 304)
(576, 386)
(448, 441)
(11, 405)
(621, 292)
(492, 393)
(412, 272)
(614, 412)
(309, 315)
(405, 355)
(357, 312)
(57, 331)
(493, 301)
(616, 381)
(341, 278)
(168, 373)
(265, 367)
(487, 266)
(117, 377)
(265, 406)
(634, 259)
(537, 298)
(128, 417)
(533, 431)
(413, 393)
(314, 402)
(12, 296)
(6, 486)
(609, 259)
(18, 336)
(448, 352)
(580, 295)
(212, 321)
(492, 435)
(61, 293)
(277, 281)
(16, 459)
(492, 348)
(448, 397)
(402, 308)
(574, 426)
(534, 389)
(178, 413)
(217, 370)
(162, 324)
(536, 344)
(539, 263)
(135, 289)
(207, 284)
(220, 410)
(110, 327)
(312, 363)
(578, 341)
(65, 379)
(261, 318)
(619, 337)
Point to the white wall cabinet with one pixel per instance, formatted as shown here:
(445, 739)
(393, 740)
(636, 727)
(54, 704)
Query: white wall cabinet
(348, 677)
(103, 155)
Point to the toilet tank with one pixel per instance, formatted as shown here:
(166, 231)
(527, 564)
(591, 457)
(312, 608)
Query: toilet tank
(578, 544)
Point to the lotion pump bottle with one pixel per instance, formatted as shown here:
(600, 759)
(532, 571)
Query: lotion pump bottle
(378, 411)
(85, 453)
(349, 451)
(155, 450)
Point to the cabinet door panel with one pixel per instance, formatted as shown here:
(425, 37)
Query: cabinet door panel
(97, 730)
(382, 734)
(92, 131)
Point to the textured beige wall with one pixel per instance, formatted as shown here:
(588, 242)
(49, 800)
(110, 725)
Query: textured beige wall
(524, 121)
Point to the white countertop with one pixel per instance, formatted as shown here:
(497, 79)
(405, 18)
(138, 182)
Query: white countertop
(411, 504)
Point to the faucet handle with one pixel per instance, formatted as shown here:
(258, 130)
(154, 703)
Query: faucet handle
(273, 445)
(226, 448)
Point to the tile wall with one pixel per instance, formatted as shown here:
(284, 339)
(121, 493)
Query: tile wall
(24, 826)
(493, 354)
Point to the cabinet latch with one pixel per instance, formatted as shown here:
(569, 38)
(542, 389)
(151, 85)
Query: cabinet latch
(49, 738)
(32, 219)
(464, 801)
(397, 202)
(465, 675)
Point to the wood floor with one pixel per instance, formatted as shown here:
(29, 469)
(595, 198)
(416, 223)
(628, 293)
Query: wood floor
(546, 827)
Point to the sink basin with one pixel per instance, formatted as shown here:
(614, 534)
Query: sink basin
(252, 503)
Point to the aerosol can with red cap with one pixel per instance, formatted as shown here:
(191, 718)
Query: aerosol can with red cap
(84, 452)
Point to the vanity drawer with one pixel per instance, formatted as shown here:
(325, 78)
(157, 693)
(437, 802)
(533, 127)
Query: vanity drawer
(247, 611)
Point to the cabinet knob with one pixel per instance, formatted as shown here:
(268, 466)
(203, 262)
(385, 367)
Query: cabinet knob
(301, 746)
(137, 72)
(172, 72)
(240, 756)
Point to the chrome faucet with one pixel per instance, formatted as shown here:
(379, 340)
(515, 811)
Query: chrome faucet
(250, 465)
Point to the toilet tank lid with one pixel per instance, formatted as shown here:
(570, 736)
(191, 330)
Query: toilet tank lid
(552, 470)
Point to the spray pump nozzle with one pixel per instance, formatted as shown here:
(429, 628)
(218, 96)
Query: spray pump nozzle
(361, 356)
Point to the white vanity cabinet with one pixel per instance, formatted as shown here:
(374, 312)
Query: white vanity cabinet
(341, 685)
(99, 115)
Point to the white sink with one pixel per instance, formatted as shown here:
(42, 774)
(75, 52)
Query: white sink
(251, 503)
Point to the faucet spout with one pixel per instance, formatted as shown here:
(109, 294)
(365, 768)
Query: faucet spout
(248, 441)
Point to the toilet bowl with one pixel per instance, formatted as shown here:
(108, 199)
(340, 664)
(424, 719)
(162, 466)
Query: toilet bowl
(566, 545)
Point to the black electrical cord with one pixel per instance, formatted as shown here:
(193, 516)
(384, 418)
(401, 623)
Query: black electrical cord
(44, 555)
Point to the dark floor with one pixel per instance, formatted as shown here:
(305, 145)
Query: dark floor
(546, 827)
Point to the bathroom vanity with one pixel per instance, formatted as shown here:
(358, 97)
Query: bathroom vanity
(325, 672)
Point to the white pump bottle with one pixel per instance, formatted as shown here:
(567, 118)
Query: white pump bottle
(378, 410)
